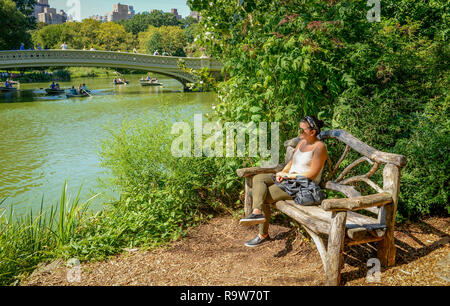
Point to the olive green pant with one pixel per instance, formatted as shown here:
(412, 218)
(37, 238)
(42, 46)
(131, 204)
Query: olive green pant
(265, 192)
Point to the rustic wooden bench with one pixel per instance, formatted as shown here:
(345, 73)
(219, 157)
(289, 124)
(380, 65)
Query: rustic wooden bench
(336, 222)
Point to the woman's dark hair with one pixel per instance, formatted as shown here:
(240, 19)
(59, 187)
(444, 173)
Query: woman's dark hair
(314, 123)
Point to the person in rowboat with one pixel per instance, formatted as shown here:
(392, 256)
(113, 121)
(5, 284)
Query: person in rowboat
(53, 85)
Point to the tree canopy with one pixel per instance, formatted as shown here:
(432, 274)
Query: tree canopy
(385, 82)
(14, 25)
(165, 38)
(141, 21)
(26, 7)
(89, 33)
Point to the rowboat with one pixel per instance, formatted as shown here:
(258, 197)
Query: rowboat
(54, 91)
(8, 89)
(121, 83)
(148, 83)
(84, 94)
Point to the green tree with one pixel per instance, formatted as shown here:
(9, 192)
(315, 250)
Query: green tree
(141, 21)
(26, 7)
(88, 33)
(188, 21)
(52, 36)
(113, 37)
(14, 27)
(165, 38)
(287, 59)
(155, 43)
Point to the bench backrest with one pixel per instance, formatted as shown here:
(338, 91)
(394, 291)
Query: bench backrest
(391, 172)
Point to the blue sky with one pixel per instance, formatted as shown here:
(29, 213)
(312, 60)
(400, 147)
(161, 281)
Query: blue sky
(101, 7)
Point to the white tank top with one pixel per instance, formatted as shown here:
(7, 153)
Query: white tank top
(301, 164)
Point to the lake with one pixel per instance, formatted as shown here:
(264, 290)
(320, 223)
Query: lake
(48, 139)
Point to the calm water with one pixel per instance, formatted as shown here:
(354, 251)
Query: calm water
(45, 140)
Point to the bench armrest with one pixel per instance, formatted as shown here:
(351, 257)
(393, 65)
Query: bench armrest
(357, 203)
(246, 172)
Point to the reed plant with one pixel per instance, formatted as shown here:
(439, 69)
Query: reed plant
(25, 241)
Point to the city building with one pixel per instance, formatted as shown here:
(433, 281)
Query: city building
(175, 12)
(44, 13)
(120, 12)
(39, 8)
(99, 18)
(195, 15)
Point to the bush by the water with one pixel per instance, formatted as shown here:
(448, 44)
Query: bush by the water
(161, 195)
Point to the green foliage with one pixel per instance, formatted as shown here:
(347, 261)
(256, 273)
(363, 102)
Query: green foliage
(14, 25)
(141, 21)
(165, 38)
(425, 181)
(26, 8)
(204, 80)
(108, 36)
(155, 42)
(378, 80)
(27, 241)
(161, 195)
(90, 72)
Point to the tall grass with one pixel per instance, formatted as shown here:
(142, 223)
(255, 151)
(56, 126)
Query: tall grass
(28, 240)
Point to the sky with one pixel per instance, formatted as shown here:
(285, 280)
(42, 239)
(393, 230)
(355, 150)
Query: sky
(101, 7)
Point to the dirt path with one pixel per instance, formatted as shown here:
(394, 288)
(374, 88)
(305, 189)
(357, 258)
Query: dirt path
(213, 254)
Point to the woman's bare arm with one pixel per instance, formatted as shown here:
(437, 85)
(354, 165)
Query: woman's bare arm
(318, 160)
(287, 168)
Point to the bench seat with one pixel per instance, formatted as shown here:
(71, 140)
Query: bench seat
(359, 228)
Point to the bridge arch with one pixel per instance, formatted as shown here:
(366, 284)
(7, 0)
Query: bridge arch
(165, 65)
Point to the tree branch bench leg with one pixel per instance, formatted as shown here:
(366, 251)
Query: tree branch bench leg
(320, 246)
(248, 202)
(335, 248)
(386, 248)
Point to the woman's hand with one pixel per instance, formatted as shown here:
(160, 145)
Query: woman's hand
(278, 177)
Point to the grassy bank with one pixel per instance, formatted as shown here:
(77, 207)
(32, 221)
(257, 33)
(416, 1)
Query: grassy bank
(27, 241)
(161, 197)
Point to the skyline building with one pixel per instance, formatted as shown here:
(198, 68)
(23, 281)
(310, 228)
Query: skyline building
(120, 12)
(175, 12)
(44, 13)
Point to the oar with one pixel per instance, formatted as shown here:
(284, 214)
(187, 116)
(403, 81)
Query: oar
(87, 93)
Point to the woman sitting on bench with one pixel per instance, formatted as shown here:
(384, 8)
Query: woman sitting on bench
(308, 160)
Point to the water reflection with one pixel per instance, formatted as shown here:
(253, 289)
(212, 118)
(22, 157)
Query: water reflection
(46, 139)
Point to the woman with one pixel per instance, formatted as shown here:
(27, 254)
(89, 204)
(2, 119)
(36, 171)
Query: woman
(73, 91)
(308, 160)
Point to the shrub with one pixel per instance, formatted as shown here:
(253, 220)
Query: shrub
(160, 195)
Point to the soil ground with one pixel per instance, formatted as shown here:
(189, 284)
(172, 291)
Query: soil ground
(213, 254)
